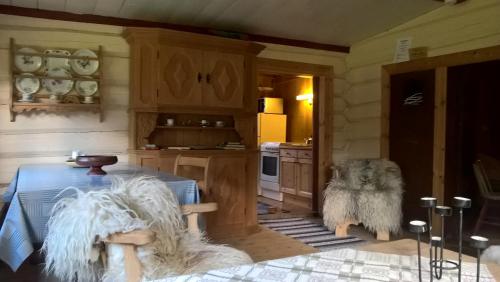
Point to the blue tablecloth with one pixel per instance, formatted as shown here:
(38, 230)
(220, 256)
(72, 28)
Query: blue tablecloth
(36, 188)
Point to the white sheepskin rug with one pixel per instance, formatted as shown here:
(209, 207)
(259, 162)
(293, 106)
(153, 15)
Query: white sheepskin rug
(368, 191)
(491, 255)
(78, 224)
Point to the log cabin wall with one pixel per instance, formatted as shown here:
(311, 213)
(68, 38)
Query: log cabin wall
(466, 26)
(49, 138)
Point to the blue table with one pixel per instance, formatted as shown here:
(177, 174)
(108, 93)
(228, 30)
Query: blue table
(36, 188)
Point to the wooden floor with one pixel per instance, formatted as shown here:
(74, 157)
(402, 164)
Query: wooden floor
(267, 244)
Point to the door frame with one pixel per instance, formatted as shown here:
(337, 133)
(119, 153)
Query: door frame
(440, 64)
(322, 117)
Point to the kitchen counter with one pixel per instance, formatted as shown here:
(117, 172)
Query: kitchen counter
(296, 146)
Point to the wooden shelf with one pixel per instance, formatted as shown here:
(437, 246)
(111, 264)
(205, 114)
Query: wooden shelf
(43, 55)
(55, 77)
(194, 127)
(21, 107)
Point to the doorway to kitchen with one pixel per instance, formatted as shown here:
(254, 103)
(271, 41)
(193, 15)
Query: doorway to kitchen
(294, 134)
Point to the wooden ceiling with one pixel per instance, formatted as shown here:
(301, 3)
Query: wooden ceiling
(333, 22)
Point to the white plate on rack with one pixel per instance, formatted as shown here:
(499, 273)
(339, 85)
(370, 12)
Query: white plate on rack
(27, 85)
(27, 63)
(51, 62)
(84, 66)
(86, 87)
(58, 86)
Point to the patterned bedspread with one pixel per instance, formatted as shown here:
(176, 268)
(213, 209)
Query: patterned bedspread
(336, 265)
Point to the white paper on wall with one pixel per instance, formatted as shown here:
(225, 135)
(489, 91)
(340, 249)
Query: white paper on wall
(403, 46)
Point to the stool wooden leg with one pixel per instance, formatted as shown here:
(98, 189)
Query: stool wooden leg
(383, 236)
(341, 229)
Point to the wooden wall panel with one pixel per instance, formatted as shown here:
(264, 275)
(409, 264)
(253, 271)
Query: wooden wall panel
(470, 25)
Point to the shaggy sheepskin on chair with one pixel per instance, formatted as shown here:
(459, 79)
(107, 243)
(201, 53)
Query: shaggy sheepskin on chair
(491, 255)
(77, 225)
(367, 191)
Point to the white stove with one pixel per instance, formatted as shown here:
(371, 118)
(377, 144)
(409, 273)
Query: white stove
(270, 170)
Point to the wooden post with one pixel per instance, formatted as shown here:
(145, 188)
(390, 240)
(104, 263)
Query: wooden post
(385, 114)
(439, 139)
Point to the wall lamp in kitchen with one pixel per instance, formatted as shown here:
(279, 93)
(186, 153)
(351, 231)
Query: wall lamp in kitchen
(306, 96)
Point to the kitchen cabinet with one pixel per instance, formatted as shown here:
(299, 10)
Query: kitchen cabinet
(288, 175)
(296, 174)
(304, 178)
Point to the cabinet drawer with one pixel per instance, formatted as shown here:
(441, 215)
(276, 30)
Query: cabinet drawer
(305, 154)
(288, 153)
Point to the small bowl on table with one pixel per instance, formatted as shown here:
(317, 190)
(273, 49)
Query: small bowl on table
(96, 163)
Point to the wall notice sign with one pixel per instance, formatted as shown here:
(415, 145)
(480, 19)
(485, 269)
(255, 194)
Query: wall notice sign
(402, 47)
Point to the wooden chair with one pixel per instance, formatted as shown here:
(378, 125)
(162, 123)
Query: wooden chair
(198, 162)
(487, 194)
(131, 240)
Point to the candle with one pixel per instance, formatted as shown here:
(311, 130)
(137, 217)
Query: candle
(428, 202)
(417, 226)
(444, 211)
(479, 242)
(461, 202)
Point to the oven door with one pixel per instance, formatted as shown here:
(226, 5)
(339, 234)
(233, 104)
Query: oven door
(270, 166)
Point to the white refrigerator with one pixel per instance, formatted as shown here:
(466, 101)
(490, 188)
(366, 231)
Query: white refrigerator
(271, 128)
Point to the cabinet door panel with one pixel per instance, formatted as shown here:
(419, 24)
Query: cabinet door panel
(143, 71)
(180, 76)
(224, 80)
(288, 175)
(304, 178)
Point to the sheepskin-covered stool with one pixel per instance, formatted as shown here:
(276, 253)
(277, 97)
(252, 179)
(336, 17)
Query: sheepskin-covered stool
(367, 191)
(79, 226)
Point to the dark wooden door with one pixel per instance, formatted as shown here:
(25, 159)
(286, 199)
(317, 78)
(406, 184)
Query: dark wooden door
(411, 136)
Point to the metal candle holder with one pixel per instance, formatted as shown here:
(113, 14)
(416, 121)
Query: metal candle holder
(436, 266)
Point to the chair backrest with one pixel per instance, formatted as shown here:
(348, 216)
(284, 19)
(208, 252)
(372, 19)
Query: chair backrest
(481, 178)
(198, 162)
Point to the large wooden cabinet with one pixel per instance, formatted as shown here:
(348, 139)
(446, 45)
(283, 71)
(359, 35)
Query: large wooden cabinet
(188, 78)
(171, 68)
(296, 175)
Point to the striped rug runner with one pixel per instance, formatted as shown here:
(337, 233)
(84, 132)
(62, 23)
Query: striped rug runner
(310, 233)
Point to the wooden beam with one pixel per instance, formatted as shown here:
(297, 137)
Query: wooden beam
(96, 19)
(385, 114)
(441, 83)
(449, 60)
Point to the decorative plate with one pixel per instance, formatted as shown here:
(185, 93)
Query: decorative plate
(86, 87)
(58, 86)
(51, 62)
(28, 63)
(27, 85)
(84, 66)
